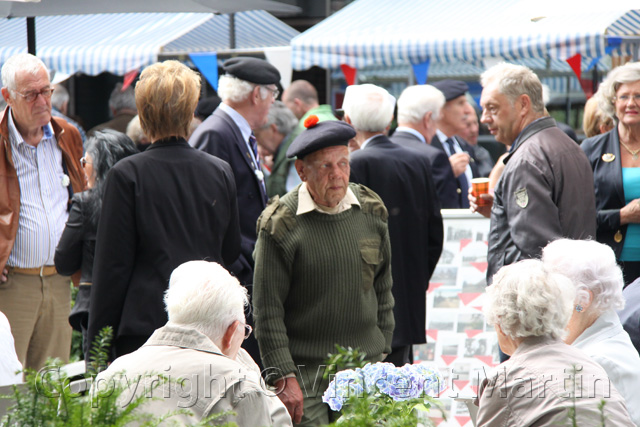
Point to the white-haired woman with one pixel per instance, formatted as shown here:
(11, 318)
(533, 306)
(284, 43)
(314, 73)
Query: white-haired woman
(544, 378)
(594, 326)
(615, 160)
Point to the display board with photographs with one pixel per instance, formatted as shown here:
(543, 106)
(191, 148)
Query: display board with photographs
(459, 341)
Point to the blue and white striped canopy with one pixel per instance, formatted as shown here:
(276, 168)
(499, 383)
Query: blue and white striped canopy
(119, 43)
(386, 32)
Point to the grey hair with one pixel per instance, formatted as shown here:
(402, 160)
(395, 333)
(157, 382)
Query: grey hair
(59, 97)
(236, 90)
(591, 266)
(526, 300)
(369, 107)
(122, 100)
(134, 130)
(282, 117)
(627, 73)
(416, 101)
(515, 80)
(204, 296)
(20, 62)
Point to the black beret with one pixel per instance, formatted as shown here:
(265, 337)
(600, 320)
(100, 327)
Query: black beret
(252, 70)
(321, 135)
(451, 88)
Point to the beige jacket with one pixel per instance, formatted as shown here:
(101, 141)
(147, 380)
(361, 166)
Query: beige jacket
(200, 378)
(536, 388)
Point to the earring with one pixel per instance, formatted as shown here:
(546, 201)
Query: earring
(579, 308)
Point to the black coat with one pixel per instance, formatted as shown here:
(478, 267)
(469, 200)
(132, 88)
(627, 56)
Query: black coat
(445, 181)
(403, 180)
(435, 142)
(165, 206)
(218, 135)
(607, 179)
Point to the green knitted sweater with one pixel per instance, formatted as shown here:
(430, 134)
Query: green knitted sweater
(322, 279)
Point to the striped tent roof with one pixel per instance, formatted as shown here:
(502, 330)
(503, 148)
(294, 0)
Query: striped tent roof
(383, 32)
(119, 43)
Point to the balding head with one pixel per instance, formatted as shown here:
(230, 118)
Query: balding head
(300, 97)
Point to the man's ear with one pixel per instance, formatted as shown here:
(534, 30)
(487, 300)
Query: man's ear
(299, 165)
(6, 95)
(228, 336)
(525, 104)
(347, 119)
(426, 119)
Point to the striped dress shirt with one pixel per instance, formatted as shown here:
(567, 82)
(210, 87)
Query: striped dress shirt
(43, 198)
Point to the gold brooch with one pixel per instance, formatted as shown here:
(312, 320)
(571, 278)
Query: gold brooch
(608, 157)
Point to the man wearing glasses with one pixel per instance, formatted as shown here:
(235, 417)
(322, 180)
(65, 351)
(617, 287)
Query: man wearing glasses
(198, 352)
(247, 91)
(39, 172)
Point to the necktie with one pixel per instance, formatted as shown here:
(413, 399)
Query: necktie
(253, 142)
(463, 185)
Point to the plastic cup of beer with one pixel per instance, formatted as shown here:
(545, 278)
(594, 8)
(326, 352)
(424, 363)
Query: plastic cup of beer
(480, 186)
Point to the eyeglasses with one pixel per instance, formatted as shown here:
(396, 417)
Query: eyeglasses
(84, 162)
(625, 98)
(247, 331)
(32, 95)
(274, 92)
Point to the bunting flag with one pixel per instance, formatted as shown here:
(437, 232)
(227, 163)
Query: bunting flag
(612, 44)
(207, 64)
(421, 72)
(575, 62)
(349, 74)
(128, 79)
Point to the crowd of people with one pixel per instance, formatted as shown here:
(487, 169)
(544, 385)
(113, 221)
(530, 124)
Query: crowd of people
(188, 225)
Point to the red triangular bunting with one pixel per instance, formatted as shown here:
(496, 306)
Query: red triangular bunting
(449, 359)
(477, 307)
(482, 266)
(460, 384)
(475, 389)
(472, 332)
(487, 360)
(462, 419)
(437, 421)
(575, 62)
(128, 79)
(466, 298)
(464, 242)
(433, 286)
(349, 74)
(433, 333)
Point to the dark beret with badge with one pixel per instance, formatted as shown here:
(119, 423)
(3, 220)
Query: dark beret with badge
(319, 135)
(451, 89)
(252, 70)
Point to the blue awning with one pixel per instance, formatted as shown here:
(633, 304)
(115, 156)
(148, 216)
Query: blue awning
(382, 32)
(119, 43)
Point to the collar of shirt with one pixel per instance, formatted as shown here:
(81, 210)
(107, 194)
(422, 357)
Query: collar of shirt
(306, 203)
(443, 140)
(16, 137)
(412, 132)
(366, 142)
(241, 122)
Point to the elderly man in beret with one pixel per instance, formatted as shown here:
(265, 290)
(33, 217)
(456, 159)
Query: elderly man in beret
(247, 91)
(323, 272)
(452, 122)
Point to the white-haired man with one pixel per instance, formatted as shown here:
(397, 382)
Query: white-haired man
(402, 178)
(198, 350)
(546, 190)
(39, 172)
(418, 108)
(247, 90)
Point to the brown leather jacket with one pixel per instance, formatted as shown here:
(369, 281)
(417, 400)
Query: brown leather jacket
(70, 143)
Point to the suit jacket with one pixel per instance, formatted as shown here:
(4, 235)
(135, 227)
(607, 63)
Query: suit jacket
(443, 178)
(403, 180)
(218, 135)
(435, 142)
(607, 179)
(165, 206)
